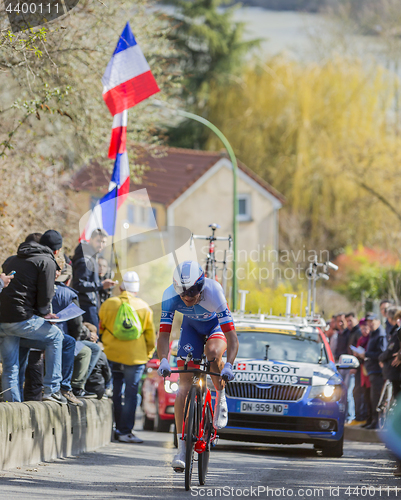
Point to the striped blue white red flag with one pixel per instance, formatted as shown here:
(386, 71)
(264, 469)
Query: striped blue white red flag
(127, 79)
(104, 214)
(118, 141)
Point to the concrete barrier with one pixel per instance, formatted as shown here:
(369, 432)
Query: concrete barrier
(353, 433)
(35, 432)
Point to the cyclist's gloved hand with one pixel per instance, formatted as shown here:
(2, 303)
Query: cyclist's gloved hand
(164, 369)
(227, 372)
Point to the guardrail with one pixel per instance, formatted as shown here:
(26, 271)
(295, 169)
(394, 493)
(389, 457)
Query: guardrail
(35, 431)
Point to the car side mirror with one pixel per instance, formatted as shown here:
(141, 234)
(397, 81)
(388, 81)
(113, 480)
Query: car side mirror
(347, 362)
(153, 364)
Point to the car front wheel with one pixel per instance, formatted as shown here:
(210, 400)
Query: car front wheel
(147, 423)
(334, 450)
(161, 425)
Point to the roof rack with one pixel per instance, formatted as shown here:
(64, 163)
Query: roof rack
(311, 318)
(293, 320)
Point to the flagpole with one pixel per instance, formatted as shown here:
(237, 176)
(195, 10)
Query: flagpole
(113, 250)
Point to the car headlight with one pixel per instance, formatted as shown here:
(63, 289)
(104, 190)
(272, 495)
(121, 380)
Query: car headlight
(170, 387)
(325, 392)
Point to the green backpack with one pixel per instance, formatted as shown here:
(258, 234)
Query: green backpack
(127, 325)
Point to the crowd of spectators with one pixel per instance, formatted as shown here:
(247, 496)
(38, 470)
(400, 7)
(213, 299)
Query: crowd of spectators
(44, 359)
(374, 340)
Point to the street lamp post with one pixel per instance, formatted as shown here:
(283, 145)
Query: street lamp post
(233, 160)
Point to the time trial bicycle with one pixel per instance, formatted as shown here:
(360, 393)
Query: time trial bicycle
(198, 431)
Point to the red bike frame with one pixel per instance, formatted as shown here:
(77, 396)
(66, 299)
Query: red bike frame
(200, 445)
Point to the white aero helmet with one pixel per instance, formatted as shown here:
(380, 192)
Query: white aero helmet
(188, 278)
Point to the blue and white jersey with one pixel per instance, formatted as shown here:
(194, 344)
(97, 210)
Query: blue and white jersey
(213, 303)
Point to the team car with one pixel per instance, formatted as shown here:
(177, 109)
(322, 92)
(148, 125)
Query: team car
(287, 388)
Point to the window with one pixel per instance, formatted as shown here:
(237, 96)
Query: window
(142, 216)
(244, 207)
(153, 217)
(281, 347)
(131, 214)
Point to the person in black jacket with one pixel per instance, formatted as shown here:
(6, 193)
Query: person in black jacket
(355, 399)
(25, 306)
(391, 372)
(376, 346)
(85, 277)
(104, 273)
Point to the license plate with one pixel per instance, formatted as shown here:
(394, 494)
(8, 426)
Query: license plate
(266, 408)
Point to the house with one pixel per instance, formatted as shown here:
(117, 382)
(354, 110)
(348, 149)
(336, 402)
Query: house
(186, 189)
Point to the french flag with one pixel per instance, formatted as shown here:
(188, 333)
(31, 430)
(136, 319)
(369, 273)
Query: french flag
(118, 142)
(104, 214)
(127, 79)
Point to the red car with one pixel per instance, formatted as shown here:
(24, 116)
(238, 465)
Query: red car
(158, 394)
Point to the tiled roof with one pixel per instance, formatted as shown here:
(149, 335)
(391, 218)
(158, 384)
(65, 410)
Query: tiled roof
(169, 173)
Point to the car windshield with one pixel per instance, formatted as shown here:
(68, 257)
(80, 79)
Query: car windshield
(281, 347)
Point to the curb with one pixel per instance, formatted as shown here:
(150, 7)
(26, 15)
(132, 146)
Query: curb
(354, 433)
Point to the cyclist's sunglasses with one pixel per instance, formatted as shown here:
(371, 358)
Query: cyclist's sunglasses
(192, 292)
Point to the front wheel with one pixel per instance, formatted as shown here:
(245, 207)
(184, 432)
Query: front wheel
(191, 430)
(175, 435)
(334, 450)
(203, 458)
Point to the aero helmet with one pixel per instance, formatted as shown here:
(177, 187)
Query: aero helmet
(188, 278)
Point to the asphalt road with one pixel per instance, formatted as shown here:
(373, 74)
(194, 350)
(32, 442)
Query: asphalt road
(128, 471)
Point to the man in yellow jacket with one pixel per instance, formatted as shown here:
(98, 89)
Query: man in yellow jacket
(127, 357)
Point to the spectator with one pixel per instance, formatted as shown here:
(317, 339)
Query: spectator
(127, 357)
(384, 305)
(33, 237)
(86, 276)
(33, 373)
(33, 386)
(25, 306)
(104, 273)
(365, 384)
(99, 378)
(391, 372)
(96, 350)
(354, 330)
(79, 375)
(376, 346)
(332, 334)
(342, 338)
(76, 329)
(353, 382)
(63, 297)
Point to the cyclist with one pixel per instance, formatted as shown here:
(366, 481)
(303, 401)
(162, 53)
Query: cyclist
(208, 325)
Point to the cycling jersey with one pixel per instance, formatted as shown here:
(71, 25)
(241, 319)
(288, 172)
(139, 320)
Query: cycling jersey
(193, 336)
(213, 304)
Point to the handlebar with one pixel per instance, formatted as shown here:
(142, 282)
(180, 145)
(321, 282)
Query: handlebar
(193, 370)
(202, 362)
(213, 238)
